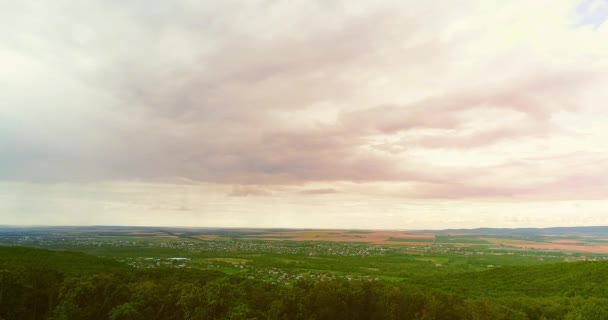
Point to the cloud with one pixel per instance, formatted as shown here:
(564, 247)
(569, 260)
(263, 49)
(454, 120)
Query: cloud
(245, 191)
(437, 96)
(319, 191)
(526, 105)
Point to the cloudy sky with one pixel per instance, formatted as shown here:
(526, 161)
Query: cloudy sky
(332, 114)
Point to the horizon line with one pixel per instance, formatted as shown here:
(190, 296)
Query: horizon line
(25, 226)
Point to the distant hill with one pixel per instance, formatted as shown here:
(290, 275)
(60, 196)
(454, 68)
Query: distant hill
(557, 231)
(587, 230)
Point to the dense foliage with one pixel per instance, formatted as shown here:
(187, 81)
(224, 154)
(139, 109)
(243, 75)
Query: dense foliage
(42, 284)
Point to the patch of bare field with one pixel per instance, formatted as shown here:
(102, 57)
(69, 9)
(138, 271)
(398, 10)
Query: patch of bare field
(567, 241)
(210, 237)
(561, 245)
(565, 247)
(376, 237)
(509, 242)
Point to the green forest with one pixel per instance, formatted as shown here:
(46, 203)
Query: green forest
(48, 284)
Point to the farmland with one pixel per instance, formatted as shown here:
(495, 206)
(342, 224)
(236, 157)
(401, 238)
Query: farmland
(293, 254)
(466, 263)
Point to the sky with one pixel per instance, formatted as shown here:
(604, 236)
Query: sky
(304, 114)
